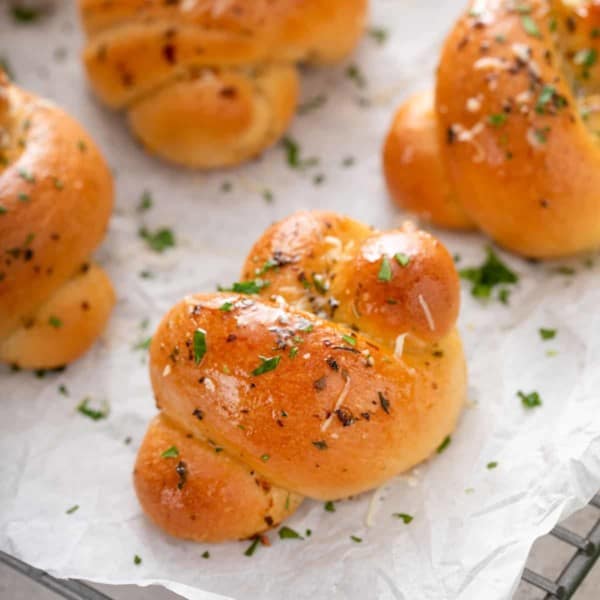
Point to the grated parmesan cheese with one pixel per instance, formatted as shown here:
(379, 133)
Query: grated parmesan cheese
(427, 312)
(338, 403)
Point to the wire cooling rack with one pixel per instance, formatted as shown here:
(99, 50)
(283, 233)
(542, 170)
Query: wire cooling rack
(586, 551)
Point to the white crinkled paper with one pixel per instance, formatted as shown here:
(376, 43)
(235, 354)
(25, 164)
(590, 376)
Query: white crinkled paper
(472, 528)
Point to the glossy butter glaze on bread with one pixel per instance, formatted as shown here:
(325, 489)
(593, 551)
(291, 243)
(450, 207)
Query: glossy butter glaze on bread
(343, 369)
(210, 83)
(56, 197)
(509, 143)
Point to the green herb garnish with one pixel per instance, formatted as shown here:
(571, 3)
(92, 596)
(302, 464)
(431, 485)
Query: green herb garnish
(351, 341)
(205, 554)
(547, 334)
(145, 202)
(252, 548)
(497, 120)
(379, 34)
(253, 286)
(286, 533)
(26, 176)
(492, 465)
(320, 444)
(294, 160)
(25, 14)
(171, 452)
(530, 400)
(226, 307)
(354, 73)
(267, 364)
(329, 506)
(356, 539)
(199, 345)
(55, 322)
(137, 560)
(143, 344)
(312, 104)
(402, 259)
(530, 26)
(444, 444)
(404, 517)
(96, 414)
(71, 510)
(385, 270)
(491, 273)
(159, 240)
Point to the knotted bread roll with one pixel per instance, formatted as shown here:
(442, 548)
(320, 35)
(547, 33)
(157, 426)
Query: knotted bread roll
(509, 143)
(55, 201)
(210, 83)
(343, 370)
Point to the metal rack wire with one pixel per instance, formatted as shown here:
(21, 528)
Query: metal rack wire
(586, 553)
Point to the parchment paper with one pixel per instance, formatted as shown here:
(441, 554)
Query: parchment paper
(472, 527)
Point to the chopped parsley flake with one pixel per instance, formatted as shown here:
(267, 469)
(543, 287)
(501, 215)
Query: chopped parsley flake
(96, 414)
(254, 286)
(171, 452)
(354, 73)
(312, 104)
(379, 34)
(226, 307)
(385, 270)
(137, 560)
(286, 533)
(586, 58)
(329, 506)
(73, 509)
(159, 240)
(267, 364)
(351, 341)
(252, 548)
(145, 202)
(402, 259)
(491, 465)
(55, 322)
(404, 517)
(530, 26)
(294, 160)
(320, 444)
(205, 554)
(356, 539)
(25, 14)
(444, 444)
(26, 176)
(23, 197)
(496, 120)
(62, 389)
(530, 400)
(548, 96)
(199, 345)
(547, 334)
(491, 273)
(143, 344)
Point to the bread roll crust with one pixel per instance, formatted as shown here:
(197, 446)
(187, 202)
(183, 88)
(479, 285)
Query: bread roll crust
(518, 155)
(56, 196)
(238, 57)
(314, 405)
